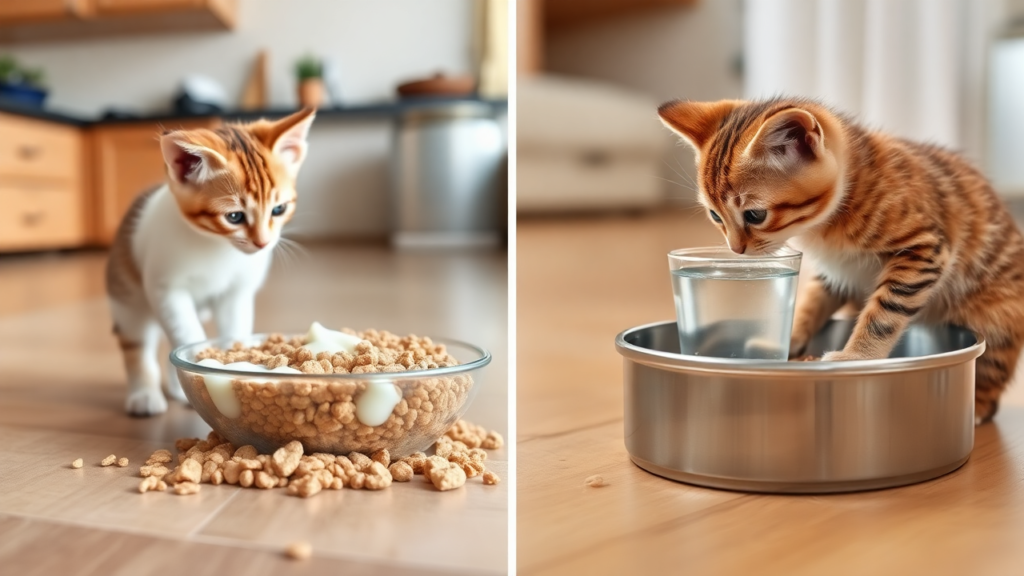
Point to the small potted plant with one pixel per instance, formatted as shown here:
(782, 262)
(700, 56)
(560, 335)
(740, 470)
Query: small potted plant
(309, 70)
(20, 84)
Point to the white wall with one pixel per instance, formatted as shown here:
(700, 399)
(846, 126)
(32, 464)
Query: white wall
(376, 44)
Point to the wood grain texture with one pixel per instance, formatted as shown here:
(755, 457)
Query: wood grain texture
(62, 393)
(585, 280)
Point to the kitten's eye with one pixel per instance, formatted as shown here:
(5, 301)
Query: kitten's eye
(715, 216)
(235, 217)
(755, 216)
(279, 209)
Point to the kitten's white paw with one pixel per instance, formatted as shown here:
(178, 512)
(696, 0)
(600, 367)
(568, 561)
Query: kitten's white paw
(174, 387)
(145, 403)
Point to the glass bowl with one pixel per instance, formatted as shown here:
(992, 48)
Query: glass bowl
(268, 410)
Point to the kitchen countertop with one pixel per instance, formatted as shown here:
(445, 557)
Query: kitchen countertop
(370, 110)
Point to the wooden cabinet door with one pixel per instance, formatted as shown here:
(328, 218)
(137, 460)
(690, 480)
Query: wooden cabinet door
(126, 161)
(28, 11)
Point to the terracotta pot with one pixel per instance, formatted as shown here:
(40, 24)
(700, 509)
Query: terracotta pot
(311, 92)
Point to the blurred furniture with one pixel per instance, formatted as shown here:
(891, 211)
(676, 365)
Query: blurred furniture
(536, 18)
(586, 145)
(126, 161)
(445, 173)
(41, 185)
(562, 13)
(33, 20)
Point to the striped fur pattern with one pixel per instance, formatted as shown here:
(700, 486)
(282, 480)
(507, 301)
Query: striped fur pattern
(903, 230)
(200, 243)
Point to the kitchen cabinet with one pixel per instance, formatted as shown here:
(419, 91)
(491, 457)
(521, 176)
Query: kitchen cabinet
(126, 161)
(35, 20)
(13, 12)
(42, 188)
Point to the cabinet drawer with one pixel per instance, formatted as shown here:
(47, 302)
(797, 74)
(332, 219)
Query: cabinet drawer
(34, 148)
(40, 216)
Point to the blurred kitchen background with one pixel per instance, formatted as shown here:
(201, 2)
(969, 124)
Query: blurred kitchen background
(114, 72)
(592, 73)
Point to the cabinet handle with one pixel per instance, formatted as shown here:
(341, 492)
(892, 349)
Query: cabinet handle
(29, 152)
(33, 218)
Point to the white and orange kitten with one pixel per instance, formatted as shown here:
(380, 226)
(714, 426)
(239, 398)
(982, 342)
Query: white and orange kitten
(201, 242)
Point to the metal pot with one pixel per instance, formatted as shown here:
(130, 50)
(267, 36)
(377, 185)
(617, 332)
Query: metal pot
(800, 427)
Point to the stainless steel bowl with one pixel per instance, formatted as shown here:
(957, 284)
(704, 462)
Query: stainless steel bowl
(800, 427)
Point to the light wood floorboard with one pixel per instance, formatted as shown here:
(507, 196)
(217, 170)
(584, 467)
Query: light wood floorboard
(580, 282)
(62, 393)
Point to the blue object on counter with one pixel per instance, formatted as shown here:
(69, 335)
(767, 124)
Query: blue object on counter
(22, 94)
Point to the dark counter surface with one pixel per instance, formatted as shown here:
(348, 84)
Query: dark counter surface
(375, 110)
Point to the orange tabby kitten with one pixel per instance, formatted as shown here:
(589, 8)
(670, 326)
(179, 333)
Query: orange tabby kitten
(905, 230)
(201, 242)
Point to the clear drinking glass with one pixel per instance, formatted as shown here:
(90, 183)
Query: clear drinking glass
(733, 305)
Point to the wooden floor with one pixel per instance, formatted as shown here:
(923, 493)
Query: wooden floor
(579, 283)
(61, 397)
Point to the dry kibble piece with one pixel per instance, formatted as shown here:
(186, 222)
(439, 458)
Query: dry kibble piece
(148, 483)
(77, 463)
(186, 488)
(306, 486)
(595, 481)
(161, 486)
(217, 477)
(287, 458)
(246, 452)
(232, 471)
(184, 444)
(122, 462)
(189, 471)
(377, 477)
(208, 469)
(160, 457)
(246, 478)
(298, 550)
(416, 461)
(401, 471)
(490, 478)
(360, 460)
(108, 460)
(158, 470)
(447, 477)
(382, 456)
(265, 481)
(493, 441)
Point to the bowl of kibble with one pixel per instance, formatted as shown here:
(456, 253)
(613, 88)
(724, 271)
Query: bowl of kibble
(334, 391)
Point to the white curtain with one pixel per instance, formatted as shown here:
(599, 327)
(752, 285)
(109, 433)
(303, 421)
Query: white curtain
(915, 68)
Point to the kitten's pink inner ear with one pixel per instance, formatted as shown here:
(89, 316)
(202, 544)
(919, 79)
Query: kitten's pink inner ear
(791, 134)
(697, 122)
(287, 137)
(189, 163)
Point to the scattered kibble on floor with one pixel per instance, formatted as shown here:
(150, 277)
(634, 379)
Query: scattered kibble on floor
(458, 457)
(77, 463)
(299, 550)
(595, 481)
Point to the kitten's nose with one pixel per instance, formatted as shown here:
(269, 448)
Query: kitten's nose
(739, 249)
(261, 244)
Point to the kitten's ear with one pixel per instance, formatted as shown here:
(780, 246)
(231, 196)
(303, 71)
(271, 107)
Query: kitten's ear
(188, 162)
(788, 138)
(286, 138)
(697, 122)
